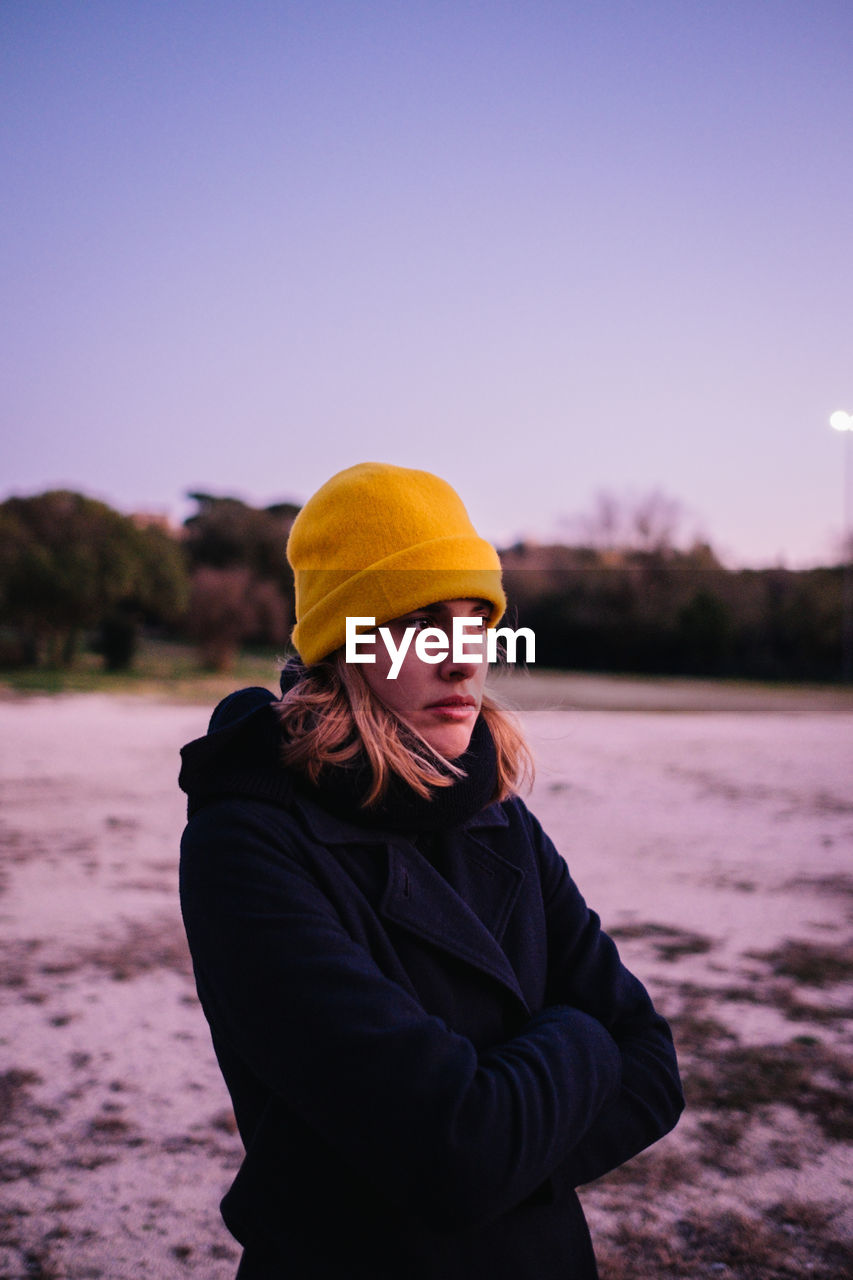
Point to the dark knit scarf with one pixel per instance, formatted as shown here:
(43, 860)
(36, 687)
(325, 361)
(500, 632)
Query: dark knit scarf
(341, 788)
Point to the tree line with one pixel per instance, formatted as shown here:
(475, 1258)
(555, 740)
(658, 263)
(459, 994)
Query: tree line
(73, 571)
(76, 573)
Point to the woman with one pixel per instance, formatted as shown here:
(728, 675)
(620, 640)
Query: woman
(428, 1041)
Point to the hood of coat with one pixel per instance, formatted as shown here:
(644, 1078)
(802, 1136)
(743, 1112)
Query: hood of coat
(238, 756)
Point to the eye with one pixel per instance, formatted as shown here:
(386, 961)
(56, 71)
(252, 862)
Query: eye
(481, 615)
(421, 621)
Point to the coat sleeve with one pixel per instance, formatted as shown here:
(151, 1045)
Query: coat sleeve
(584, 971)
(447, 1134)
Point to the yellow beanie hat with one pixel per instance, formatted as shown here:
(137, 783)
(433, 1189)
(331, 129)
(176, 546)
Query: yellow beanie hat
(378, 541)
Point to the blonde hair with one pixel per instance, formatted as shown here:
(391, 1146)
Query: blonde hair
(330, 716)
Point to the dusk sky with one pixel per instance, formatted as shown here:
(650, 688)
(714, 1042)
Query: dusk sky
(544, 249)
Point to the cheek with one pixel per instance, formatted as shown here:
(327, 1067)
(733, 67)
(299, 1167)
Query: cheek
(403, 693)
(478, 677)
(375, 677)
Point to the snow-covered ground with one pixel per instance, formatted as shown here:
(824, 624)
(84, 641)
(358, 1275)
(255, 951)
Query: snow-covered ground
(716, 847)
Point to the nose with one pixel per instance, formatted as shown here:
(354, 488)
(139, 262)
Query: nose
(456, 670)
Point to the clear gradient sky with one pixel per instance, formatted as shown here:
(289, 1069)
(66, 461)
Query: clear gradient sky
(543, 248)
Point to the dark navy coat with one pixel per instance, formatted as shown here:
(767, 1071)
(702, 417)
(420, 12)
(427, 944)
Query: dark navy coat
(423, 1064)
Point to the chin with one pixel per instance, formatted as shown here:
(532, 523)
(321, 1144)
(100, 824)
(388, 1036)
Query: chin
(451, 743)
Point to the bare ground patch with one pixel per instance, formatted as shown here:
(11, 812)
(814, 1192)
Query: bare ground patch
(803, 1074)
(810, 963)
(668, 942)
(14, 1090)
(122, 953)
(789, 1241)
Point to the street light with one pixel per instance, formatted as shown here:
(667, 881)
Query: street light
(842, 421)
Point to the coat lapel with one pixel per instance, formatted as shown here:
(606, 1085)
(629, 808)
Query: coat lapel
(420, 900)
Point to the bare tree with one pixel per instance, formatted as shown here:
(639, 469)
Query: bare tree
(648, 522)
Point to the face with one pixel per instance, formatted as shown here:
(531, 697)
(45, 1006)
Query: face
(440, 700)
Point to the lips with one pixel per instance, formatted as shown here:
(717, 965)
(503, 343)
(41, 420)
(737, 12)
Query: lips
(454, 709)
(453, 702)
